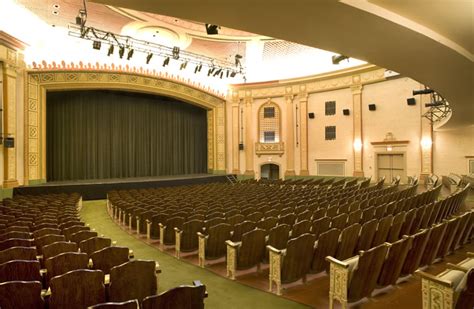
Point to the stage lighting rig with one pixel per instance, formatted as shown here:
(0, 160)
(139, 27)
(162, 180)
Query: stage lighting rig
(212, 29)
(336, 59)
(439, 108)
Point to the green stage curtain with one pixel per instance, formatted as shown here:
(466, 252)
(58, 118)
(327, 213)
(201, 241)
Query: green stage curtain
(111, 134)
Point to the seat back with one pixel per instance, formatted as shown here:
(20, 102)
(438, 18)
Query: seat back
(407, 224)
(393, 264)
(267, 223)
(326, 246)
(189, 239)
(242, 228)
(466, 296)
(46, 231)
(65, 262)
(413, 259)
(367, 233)
(82, 235)
(183, 297)
(365, 275)
(18, 253)
(297, 261)
(16, 242)
(320, 226)
(109, 257)
(94, 244)
(383, 228)
(348, 242)
(133, 280)
(15, 234)
(21, 295)
(301, 228)
(131, 304)
(57, 248)
(215, 245)
(74, 229)
(448, 238)
(77, 289)
(252, 249)
(20, 270)
(47, 240)
(395, 228)
(433, 244)
(171, 223)
(339, 221)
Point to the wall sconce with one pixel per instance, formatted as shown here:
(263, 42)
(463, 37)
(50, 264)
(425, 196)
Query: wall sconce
(426, 142)
(389, 147)
(357, 144)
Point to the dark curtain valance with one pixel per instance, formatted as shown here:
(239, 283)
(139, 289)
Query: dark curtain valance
(111, 134)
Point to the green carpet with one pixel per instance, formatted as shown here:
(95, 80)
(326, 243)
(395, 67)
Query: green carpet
(223, 293)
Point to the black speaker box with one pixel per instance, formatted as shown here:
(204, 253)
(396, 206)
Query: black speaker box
(311, 115)
(241, 146)
(372, 107)
(346, 112)
(9, 142)
(411, 101)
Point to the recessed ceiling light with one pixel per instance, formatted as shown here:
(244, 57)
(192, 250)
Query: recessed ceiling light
(56, 6)
(55, 12)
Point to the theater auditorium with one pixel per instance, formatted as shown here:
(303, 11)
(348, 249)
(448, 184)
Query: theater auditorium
(236, 154)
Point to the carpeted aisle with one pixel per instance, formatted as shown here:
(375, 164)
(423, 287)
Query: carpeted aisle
(223, 293)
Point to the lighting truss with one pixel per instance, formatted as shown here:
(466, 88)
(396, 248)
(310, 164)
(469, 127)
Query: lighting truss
(126, 42)
(439, 108)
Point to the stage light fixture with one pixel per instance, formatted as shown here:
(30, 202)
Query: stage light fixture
(111, 50)
(227, 73)
(237, 60)
(130, 54)
(96, 45)
(148, 58)
(423, 91)
(183, 65)
(233, 74)
(176, 52)
(222, 74)
(166, 61)
(217, 72)
(121, 51)
(336, 59)
(211, 70)
(212, 29)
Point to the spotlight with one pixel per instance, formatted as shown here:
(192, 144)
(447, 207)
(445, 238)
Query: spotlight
(227, 73)
(78, 20)
(176, 52)
(121, 51)
(111, 50)
(423, 91)
(96, 45)
(183, 65)
(222, 73)
(130, 54)
(211, 70)
(148, 58)
(338, 58)
(233, 74)
(166, 62)
(212, 29)
(237, 60)
(217, 72)
(197, 68)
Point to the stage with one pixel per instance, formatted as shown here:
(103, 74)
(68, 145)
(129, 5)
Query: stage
(97, 189)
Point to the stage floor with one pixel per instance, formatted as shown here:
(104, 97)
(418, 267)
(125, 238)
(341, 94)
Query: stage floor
(97, 189)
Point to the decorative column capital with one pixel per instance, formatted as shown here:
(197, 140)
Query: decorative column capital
(357, 89)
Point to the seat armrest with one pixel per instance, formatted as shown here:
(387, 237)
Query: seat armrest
(131, 255)
(275, 250)
(457, 267)
(233, 244)
(331, 259)
(157, 267)
(201, 235)
(177, 230)
(433, 278)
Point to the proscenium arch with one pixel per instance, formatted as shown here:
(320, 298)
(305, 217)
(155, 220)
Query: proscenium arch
(39, 82)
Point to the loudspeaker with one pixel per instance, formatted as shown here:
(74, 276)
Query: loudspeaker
(241, 146)
(9, 142)
(372, 107)
(346, 112)
(311, 115)
(411, 101)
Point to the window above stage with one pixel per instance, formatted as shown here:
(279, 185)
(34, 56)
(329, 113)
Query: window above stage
(330, 108)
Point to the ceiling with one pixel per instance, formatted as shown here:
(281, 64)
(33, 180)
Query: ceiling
(430, 41)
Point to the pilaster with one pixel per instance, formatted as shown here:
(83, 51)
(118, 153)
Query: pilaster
(249, 141)
(303, 99)
(357, 126)
(235, 134)
(426, 141)
(290, 135)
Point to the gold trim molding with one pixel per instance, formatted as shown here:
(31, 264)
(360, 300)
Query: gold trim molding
(40, 81)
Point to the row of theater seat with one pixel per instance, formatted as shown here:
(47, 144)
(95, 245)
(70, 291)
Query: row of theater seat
(53, 256)
(342, 225)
